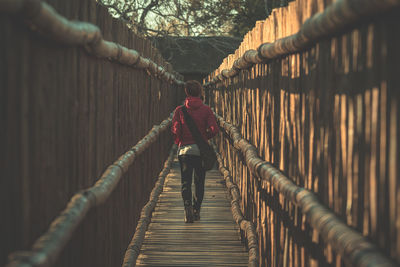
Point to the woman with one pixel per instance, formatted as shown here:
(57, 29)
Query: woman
(188, 152)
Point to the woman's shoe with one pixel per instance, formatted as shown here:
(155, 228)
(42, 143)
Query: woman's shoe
(188, 214)
(196, 215)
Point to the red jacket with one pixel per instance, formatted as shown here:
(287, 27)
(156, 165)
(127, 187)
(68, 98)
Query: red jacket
(202, 116)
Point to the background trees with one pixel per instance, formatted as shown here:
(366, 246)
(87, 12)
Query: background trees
(174, 17)
(190, 17)
(203, 30)
(247, 13)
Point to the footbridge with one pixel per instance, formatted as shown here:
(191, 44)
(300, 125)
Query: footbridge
(308, 151)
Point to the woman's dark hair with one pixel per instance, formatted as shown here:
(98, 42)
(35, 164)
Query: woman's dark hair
(193, 88)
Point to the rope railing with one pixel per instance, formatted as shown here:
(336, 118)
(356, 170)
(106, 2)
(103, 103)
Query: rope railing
(355, 249)
(337, 17)
(133, 250)
(246, 226)
(43, 18)
(46, 248)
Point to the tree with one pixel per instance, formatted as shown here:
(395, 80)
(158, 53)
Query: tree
(175, 17)
(247, 13)
(191, 17)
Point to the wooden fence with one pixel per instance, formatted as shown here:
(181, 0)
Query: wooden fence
(328, 117)
(65, 116)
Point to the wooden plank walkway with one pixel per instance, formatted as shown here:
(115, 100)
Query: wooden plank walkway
(212, 241)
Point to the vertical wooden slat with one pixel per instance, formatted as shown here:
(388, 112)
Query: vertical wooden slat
(328, 117)
(65, 116)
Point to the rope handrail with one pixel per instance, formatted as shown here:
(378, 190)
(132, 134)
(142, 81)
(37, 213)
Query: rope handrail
(133, 250)
(245, 225)
(334, 19)
(355, 248)
(43, 18)
(47, 247)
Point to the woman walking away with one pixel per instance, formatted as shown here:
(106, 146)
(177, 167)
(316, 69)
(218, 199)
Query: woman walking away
(188, 152)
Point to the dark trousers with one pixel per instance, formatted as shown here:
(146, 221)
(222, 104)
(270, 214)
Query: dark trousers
(188, 164)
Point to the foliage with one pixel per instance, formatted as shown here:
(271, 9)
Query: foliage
(174, 17)
(188, 17)
(247, 13)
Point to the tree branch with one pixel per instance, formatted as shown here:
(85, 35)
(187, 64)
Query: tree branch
(146, 10)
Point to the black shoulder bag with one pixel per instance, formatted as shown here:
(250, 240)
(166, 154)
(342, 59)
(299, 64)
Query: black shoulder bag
(207, 153)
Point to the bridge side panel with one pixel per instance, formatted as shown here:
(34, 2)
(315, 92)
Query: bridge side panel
(329, 118)
(65, 116)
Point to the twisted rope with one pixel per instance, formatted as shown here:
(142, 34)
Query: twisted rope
(133, 250)
(245, 225)
(46, 248)
(339, 16)
(43, 18)
(355, 249)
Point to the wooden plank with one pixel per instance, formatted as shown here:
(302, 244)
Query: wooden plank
(212, 241)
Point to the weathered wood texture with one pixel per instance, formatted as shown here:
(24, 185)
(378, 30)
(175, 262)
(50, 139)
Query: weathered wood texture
(336, 18)
(212, 241)
(66, 116)
(133, 250)
(356, 249)
(246, 227)
(327, 117)
(43, 18)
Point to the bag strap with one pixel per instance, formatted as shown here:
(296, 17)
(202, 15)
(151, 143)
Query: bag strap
(193, 127)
